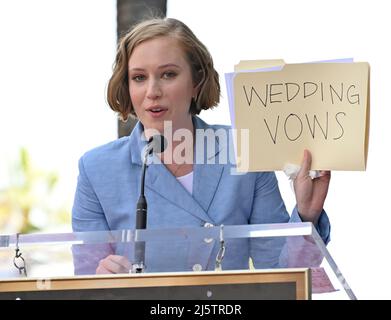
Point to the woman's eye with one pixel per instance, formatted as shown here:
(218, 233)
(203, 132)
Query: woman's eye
(169, 74)
(138, 78)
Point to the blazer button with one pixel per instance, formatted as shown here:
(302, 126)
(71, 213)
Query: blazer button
(208, 225)
(197, 267)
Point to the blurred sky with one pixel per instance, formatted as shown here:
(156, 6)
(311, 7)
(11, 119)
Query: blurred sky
(55, 62)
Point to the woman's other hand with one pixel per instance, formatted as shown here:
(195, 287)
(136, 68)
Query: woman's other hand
(114, 264)
(310, 193)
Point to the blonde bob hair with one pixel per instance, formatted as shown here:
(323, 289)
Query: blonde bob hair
(201, 63)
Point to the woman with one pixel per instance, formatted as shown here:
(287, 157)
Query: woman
(164, 76)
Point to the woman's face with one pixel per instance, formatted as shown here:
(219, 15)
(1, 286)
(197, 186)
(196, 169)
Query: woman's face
(161, 84)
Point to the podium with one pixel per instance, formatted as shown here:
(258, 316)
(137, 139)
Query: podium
(251, 262)
(289, 284)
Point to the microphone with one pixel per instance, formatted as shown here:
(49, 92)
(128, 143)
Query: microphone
(156, 144)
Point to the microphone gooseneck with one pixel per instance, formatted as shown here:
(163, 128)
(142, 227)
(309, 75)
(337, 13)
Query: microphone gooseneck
(156, 144)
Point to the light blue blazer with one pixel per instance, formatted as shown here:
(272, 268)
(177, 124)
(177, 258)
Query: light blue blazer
(108, 188)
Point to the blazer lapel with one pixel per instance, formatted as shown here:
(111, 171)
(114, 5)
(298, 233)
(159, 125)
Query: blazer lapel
(137, 142)
(206, 177)
(206, 181)
(161, 181)
(207, 170)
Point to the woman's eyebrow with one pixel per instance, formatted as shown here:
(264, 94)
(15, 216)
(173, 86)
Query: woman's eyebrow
(136, 69)
(169, 65)
(159, 67)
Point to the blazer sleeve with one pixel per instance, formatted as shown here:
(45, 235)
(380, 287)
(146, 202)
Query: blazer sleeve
(87, 212)
(88, 215)
(268, 207)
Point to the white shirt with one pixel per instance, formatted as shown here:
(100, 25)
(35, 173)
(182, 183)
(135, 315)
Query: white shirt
(187, 182)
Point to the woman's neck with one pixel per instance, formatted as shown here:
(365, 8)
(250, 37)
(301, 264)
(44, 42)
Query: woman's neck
(178, 157)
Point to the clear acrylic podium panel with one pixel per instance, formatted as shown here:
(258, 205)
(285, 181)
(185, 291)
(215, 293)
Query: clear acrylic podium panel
(270, 246)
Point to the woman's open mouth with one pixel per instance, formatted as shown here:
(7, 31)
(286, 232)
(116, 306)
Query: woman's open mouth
(157, 112)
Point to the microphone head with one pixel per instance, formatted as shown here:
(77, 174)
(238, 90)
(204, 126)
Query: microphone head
(157, 144)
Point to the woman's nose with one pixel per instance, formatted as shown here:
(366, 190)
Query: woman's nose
(154, 90)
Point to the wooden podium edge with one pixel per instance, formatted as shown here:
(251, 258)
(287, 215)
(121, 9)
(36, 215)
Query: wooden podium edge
(300, 276)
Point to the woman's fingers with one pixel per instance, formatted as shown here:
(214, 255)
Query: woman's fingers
(113, 264)
(305, 164)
